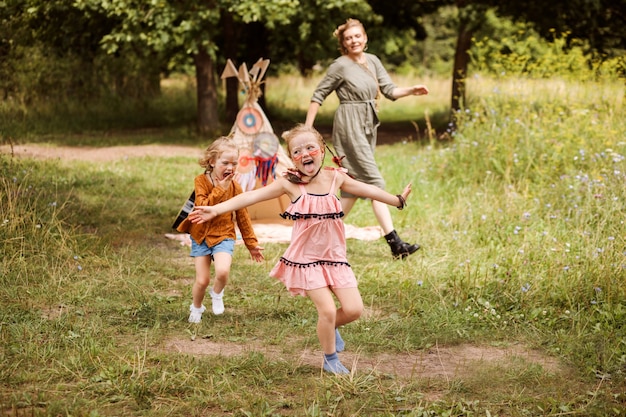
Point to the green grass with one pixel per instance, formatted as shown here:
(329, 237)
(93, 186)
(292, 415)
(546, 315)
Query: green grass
(521, 219)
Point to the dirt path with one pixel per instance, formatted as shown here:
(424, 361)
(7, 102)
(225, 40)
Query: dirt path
(437, 362)
(105, 154)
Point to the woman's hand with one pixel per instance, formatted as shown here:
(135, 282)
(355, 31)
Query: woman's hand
(419, 90)
(407, 191)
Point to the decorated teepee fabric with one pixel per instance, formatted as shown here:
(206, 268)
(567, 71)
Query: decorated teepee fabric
(261, 157)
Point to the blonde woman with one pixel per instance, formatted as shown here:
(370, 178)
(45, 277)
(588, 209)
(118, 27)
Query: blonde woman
(359, 78)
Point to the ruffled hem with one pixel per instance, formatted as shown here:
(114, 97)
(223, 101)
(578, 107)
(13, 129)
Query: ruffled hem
(306, 216)
(299, 278)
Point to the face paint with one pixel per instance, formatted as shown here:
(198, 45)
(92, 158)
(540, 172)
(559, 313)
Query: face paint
(312, 149)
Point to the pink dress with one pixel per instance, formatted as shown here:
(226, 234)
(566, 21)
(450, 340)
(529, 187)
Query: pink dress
(316, 257)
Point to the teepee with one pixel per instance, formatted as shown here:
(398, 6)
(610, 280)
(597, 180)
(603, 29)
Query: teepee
(261, 157)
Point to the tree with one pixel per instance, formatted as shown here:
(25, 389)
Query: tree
(186, 28)
(51, 49)
(601, 23)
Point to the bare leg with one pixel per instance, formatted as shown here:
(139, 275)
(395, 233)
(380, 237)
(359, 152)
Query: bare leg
(203, 276)
(326, 317)
(351, 305)
(222, 262)
(381, 211)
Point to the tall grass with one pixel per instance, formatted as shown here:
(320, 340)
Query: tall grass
(521, 221)
(170, 117)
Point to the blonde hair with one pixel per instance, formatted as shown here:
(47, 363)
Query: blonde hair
(215, 149)
(338, 33)
(298, 130)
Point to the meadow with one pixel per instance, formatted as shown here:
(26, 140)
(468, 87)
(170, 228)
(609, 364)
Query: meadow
(520, 214)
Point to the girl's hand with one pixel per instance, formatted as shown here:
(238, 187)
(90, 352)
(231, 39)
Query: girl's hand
(202, 214)
(256, 254)
(224, 183)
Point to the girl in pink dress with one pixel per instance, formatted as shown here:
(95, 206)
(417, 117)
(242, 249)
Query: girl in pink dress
(315, 263)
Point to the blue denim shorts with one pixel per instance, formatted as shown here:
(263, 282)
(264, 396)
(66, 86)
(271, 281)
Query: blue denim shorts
(226, 245)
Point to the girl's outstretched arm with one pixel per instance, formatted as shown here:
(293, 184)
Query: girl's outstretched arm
(202, 214)
(361, 189)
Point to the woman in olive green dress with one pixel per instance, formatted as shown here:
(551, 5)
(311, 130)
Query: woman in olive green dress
(359, 79)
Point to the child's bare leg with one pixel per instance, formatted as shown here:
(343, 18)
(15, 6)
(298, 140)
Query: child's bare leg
(327, 313)
(350, 310)
(326, 316)
(203, 276)
(351, 305)
(222, 262)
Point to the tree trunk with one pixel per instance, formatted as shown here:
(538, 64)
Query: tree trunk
(208, 120)
(231, 39)
(256, 47)
(459, 72)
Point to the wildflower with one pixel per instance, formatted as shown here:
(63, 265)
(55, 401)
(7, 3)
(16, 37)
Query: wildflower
(80, 268)
(597, 290)
(566, 268)
(53, 204)
(527, 215)
(611, 238)
(483, 217)
(420, 283)
(525, 287)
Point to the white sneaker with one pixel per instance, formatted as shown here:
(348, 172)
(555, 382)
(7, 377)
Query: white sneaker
(195, 315)
(218, 303)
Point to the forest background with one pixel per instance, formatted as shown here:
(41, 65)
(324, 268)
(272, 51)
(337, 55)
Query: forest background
(514, 306)
(77, 53)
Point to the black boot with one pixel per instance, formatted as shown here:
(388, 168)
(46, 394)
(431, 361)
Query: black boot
(399, 248)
